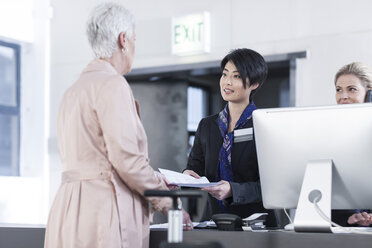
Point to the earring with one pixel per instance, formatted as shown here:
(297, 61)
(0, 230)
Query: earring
(124, 49)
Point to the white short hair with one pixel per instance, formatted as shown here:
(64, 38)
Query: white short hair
(104, 26)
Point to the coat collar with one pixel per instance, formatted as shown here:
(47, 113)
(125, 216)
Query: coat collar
(100, 65)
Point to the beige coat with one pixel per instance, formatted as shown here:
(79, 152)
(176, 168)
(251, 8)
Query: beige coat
(103, 148)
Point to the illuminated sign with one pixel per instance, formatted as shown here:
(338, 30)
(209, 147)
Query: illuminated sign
(191, 34)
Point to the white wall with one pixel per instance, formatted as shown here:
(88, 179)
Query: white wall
(24, 199)
(334, 32)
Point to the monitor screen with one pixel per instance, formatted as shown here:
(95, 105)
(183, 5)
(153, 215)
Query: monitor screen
(288, 138)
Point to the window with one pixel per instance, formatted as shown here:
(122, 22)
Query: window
(197, 106)
(9, 108)
(197, 103)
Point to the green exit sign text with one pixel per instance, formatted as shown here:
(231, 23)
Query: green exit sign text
(191, 34)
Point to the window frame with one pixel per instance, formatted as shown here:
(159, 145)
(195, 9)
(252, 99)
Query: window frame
(207, 104)
(14, 111)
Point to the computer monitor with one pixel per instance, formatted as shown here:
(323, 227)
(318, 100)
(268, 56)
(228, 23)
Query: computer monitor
(290, 139)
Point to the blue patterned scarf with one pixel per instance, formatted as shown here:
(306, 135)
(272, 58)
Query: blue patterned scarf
(224, 169)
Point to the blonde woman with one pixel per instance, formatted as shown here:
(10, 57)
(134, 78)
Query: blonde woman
(352, 82)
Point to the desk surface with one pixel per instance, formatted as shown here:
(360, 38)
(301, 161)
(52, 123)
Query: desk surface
(272, 239)
(22, 236)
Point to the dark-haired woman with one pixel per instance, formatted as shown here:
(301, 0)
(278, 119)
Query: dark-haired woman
(224, 149)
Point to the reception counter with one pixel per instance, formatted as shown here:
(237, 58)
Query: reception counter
(33, 237)
(272, 239)
(21, 236)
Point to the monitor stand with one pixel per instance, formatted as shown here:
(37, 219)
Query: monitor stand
(316, 185)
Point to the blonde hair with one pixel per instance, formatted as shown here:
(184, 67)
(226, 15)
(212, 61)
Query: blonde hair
(358, 69)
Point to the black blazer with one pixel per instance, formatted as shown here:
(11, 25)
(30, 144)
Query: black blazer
(246, 190)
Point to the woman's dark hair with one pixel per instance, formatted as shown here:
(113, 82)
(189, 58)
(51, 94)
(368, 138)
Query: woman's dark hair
(250, 64)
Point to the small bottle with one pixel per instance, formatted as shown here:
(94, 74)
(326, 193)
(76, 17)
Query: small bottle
(175, 218)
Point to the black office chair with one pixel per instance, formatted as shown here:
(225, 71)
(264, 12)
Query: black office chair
(200, 244)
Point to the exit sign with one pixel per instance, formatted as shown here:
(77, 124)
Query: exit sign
(191, 34)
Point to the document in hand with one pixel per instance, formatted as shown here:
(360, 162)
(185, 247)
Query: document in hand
(183, 180)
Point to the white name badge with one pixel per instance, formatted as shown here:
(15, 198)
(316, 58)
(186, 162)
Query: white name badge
(245, 134)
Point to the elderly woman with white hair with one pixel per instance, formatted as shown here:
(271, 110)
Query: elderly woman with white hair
(103, 148)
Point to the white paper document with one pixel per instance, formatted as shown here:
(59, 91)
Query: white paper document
(183, 180)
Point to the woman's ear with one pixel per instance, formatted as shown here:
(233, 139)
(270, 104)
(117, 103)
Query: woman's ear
(254, 86)
(122, 41)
